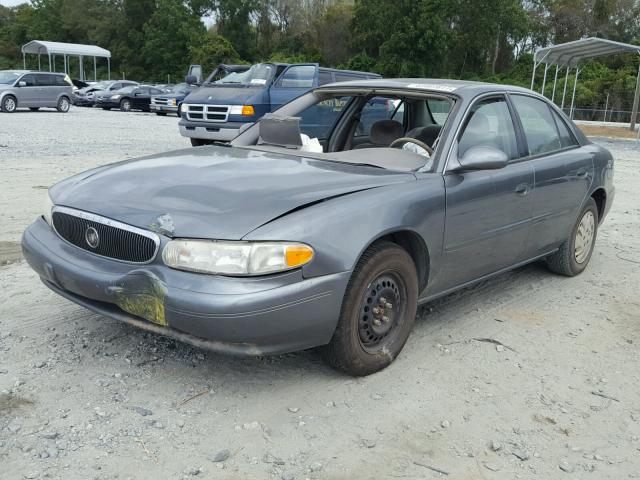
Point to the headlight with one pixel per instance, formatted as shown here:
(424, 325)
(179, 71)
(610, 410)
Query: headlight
(115, 97)
(246, 110)
(48, 206)
(173, 102)
(235, 258)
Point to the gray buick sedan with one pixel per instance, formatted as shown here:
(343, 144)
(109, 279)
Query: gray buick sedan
(328, 222)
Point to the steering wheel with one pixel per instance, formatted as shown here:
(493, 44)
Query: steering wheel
(399, 142)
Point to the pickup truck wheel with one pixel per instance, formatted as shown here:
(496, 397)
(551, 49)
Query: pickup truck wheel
(378, 311)
(574, 254)
(9, 104)
(198, 142)
(63, 105)
(125, 105)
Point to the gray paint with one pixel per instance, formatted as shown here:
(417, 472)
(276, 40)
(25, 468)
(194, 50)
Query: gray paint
(471, 225)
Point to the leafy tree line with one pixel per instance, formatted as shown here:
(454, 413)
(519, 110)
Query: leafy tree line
(477, 39)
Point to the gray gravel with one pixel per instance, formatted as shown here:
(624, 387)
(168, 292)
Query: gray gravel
(84, 397)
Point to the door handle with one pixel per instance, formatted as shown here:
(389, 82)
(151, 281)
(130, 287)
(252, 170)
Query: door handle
(523, 189)
(582, 173)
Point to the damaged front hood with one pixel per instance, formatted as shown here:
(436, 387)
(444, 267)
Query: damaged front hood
(213, 192)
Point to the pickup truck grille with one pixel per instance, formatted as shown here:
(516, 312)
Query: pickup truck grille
(159, 101)
(105, 237)
(207, 113)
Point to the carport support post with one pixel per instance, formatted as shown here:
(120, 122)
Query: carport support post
(555, 80)
(65, 64)
(95, 71)
(24, 61)
(573, 97)
(533, 75)
(38, 62)
(49, 62)
(564, 92)
(109, 67)
(544, 79)
(636, 100)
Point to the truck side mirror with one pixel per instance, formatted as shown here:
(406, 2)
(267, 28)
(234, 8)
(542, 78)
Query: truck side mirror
(191, 80)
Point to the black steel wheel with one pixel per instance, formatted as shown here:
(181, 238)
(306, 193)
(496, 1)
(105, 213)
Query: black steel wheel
(378, 311)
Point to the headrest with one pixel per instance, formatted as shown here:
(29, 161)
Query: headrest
(383, 132)
(426, 134)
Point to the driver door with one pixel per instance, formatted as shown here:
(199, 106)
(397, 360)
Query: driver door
(488, 212)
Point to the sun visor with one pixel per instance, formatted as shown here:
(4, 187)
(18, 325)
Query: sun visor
(279, 130)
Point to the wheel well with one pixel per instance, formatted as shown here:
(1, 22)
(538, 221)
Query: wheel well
(416, 248)
(600, 197)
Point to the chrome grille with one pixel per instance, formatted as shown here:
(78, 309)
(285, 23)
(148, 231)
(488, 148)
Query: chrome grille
(206, 113)
(116, 240)
(159, 101)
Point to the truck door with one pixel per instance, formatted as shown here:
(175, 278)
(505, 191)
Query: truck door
(294, 81)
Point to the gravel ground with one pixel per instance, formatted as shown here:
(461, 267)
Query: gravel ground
(82, 396)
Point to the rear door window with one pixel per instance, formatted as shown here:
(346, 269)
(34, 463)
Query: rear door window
(566, 137)
(538, 124)
(46, 80)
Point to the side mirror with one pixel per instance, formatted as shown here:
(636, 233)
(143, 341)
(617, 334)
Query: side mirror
(22, 83)
(191, 80)
(483, 158)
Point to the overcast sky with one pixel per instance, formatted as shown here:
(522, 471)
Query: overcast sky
(11, 3)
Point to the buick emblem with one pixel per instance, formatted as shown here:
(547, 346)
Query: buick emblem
(91, 237)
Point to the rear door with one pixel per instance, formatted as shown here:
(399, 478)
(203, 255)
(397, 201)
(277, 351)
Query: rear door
(140, 98)
(294, 81)
(564, 170)
(48, 90)
(488, 212)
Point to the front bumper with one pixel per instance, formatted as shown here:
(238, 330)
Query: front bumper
(223, 131)
(163, 108)
(82, 101)
(244, 316)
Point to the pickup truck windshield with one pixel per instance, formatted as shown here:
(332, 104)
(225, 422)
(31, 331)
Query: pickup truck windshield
(258, 74)
(7, 78)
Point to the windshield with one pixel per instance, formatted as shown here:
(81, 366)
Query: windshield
(7, 78)
(180, 88)
(128, 89)
(258, 74)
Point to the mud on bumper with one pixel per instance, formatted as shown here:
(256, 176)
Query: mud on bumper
(242, 316)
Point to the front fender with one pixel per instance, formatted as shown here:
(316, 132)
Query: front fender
(340, 229)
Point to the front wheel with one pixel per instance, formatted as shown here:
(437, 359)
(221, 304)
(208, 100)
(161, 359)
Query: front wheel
(125, 105)
(574, 254)
(378, 311)
(63, 105)
(9, 104)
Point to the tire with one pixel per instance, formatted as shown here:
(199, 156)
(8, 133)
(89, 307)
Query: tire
(366, 340)
(34, 109)
(125, 105)
(161, 114)
(574, 254)
(198, 142)
(9, 104)
(63, 104)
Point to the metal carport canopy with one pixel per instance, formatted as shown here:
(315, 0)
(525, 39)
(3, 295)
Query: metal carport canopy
(39, 47)
(572, 54)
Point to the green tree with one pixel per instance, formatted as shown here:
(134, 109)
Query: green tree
(211, 49)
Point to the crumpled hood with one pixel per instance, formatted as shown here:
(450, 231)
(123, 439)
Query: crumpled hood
(213, 192)
(224, 95)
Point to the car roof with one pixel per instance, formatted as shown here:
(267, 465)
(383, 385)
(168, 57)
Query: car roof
(458, 87)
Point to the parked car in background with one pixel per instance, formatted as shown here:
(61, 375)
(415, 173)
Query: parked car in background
(85, 96)
(34, 90)
(220, 108)
(264, 246)
(171, 102)
(133, 97)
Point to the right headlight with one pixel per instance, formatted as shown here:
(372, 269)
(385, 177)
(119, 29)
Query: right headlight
(235, 257)
(48, 206)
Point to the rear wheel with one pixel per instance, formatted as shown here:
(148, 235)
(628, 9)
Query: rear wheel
(63, 105)
(125, 105)
(34, 109)
(9, 104)
(378, 311)
(574, 254)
